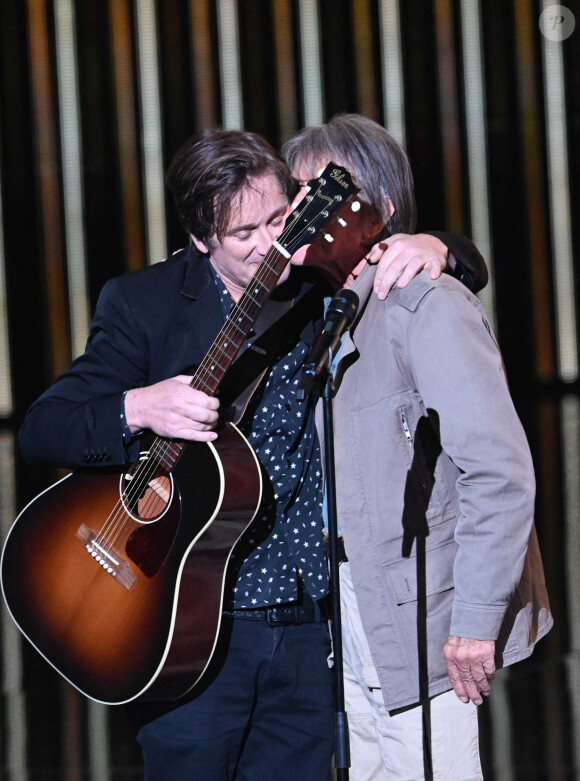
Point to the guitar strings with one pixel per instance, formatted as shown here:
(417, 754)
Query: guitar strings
(161, 447)
(152, 465)
(238, 312)
(146, 469)
(230, 333)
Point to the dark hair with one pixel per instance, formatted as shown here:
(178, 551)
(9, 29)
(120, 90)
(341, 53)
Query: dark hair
(212, 168)
(371, 154)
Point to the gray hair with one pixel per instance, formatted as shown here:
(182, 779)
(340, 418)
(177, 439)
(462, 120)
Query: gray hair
(371, 154)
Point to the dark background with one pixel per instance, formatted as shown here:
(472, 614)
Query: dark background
(531, 726)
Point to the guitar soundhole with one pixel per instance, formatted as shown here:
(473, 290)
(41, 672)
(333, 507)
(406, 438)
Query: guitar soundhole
(147, 490)
(155, 499)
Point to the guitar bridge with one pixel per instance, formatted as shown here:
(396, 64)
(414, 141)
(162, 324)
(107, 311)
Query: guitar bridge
(105, 555)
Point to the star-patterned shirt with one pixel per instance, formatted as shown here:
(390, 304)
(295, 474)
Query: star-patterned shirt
(284, 542)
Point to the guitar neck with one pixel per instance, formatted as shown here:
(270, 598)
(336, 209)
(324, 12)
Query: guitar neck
(240, 321)
(228, 342)
(324, 195)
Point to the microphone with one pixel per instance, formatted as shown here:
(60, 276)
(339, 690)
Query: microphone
(339, 315)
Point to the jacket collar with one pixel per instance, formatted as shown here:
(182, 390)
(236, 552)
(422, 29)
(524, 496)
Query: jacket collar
(197, 273)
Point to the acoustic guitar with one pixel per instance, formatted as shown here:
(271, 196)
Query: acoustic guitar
(118, 579)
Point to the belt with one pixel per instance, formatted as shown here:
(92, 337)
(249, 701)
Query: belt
(307, 611)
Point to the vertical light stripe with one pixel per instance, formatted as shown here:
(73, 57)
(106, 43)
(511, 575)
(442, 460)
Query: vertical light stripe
(311, 65)
(501, 726)
(203, 70)
(559, 188)
(549, 508)
(229, 55)
(6, 400)
(570, 434)
(71, 732)
(555, 713)
(45, 151)
(127, 139)
(284, 56)
(392, 69)
(70, 139)
(477, 143)
(573, 688)
(14, 731)
(99, 752)
(151, 131)
(363, 49)
(531, 136)
(452, 162)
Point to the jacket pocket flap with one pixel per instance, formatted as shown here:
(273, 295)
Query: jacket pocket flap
(423, 576)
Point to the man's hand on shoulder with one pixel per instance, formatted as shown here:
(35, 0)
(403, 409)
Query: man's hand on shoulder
(172, 408)
(470, 666)
(402, 256)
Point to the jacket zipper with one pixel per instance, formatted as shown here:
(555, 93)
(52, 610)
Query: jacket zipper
(406, 429)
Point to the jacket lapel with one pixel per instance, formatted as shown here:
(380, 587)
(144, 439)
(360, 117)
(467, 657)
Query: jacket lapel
(201, 315)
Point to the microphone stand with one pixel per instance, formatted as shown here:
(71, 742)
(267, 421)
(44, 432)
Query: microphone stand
(339, 315)
(342, 751)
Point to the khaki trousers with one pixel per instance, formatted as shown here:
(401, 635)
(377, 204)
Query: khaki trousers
(391, 747)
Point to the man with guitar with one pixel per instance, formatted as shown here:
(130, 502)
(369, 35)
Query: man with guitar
(263, 704)
(434, 488)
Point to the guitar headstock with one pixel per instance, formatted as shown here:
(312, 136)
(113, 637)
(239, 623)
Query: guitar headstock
(324, 195)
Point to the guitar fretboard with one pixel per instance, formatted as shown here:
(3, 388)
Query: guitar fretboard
(324, 195)
(228, 343)
(239, 323)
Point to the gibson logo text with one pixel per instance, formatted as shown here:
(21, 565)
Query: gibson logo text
(338, 176)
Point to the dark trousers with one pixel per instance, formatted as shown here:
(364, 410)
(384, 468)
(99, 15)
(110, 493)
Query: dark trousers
(267, 715)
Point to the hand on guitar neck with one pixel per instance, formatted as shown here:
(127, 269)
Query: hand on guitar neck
(173, 409)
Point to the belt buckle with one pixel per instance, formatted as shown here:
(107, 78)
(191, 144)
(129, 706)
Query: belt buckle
(273, 620)
(271, 616)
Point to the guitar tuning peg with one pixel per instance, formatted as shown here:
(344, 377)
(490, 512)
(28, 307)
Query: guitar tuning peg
(355, 206)
(342, 222)
(328, 238)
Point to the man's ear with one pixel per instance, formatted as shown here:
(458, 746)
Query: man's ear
(203, 248)
(375, 229)
(377, 222)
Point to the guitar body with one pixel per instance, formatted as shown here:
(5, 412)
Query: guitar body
(122, 597)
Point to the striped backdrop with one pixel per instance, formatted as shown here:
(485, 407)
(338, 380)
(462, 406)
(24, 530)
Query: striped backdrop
(97, 95)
